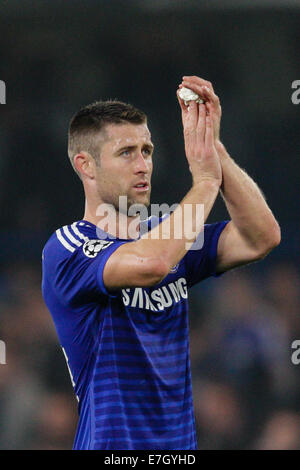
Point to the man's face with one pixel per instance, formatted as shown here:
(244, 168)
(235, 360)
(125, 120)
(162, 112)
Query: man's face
(125, 164)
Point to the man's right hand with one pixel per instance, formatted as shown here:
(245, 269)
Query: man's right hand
(200, 150)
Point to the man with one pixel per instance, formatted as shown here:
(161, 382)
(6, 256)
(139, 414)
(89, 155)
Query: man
(119, 300)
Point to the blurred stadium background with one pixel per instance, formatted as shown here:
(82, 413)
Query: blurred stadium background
(57, 56)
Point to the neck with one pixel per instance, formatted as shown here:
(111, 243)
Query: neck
(115, 223)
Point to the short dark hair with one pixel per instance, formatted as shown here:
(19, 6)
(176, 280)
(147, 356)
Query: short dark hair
(86, 124)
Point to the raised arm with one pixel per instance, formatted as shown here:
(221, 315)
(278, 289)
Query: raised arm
(147, 261)
(253, 230)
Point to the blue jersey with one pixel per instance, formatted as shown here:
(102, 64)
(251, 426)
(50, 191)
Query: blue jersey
(127, 351)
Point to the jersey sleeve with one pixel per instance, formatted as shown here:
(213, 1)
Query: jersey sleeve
(77, 277)
(200, 260)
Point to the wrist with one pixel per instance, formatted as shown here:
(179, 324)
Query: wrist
(208, 182)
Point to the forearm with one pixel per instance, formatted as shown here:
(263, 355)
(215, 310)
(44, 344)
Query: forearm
(246, 205)
(171, 239)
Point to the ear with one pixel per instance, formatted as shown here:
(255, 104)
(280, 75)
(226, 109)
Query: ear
(85, 164)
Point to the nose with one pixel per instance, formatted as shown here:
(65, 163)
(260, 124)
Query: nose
(140, 165)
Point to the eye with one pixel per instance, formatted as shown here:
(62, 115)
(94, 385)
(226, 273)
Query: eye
(147, 151)
(125, 153)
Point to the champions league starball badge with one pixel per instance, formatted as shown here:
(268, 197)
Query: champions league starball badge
(92, 248)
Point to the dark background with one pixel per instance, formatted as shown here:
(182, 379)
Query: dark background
(57, 56)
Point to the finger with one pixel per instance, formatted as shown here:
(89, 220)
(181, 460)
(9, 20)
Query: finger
(184, 108)
(198, 81)
(204, 92)
(202, 88)
(201, 125)
(209, 134)
(210, 96)
(194, 87)
(191, 118)
(215, 114)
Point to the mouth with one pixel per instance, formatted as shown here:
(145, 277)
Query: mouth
(141, 187)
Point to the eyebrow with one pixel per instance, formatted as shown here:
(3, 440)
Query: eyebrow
(131, 147)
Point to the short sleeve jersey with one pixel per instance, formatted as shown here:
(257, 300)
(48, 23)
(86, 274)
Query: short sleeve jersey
(127, 351)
